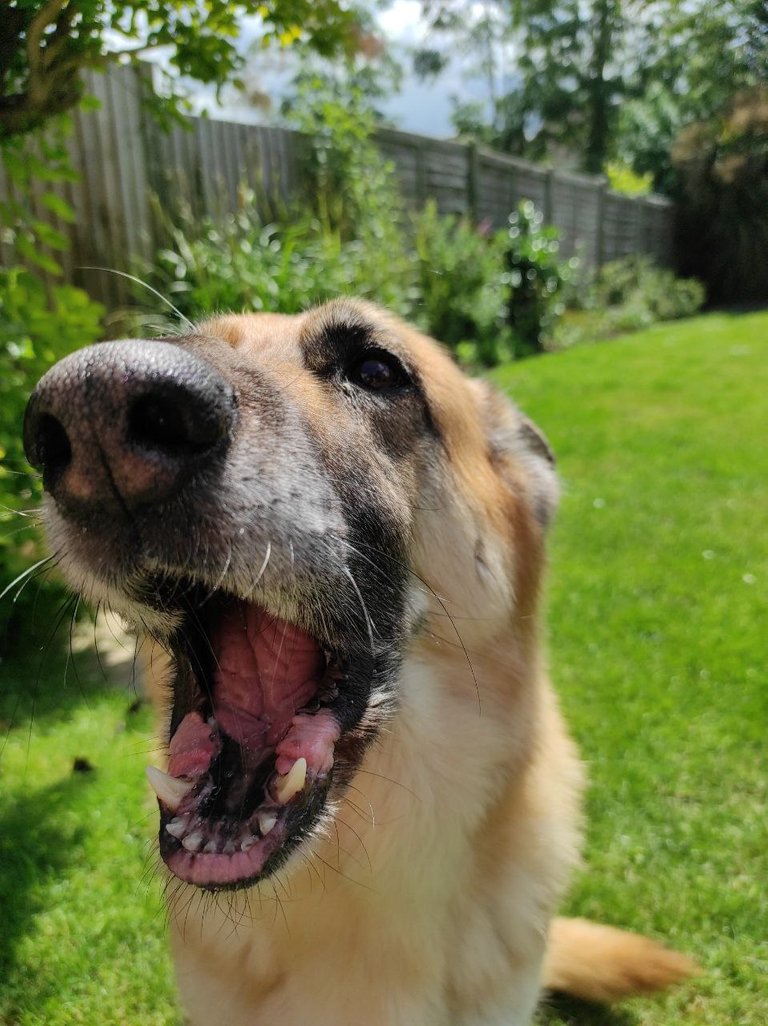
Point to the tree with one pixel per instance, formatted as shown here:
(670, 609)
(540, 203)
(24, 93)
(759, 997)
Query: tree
(44, 44)
(697, 56)
(723, 168)
(606, 79)
(553, 78)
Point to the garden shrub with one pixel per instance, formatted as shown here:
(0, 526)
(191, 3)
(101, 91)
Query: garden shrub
(654, 293)
(243, 264)
(537, 278)
(485, 294)
(627, 295)
(464, 290)
(36, 329)
(347, 183)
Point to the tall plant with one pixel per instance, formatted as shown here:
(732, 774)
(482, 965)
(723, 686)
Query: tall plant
(536, 277)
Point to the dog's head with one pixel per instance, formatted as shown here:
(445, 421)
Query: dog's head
(289, 505)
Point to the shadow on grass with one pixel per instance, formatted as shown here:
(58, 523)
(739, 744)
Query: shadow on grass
(41, 679)
(34, 849)
(560, 1009)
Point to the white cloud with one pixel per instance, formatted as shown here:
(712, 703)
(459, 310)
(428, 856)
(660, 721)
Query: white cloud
(402, 21)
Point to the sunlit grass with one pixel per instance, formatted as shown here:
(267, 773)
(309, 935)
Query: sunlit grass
(81, 939)
(658, 608)
(658, 630)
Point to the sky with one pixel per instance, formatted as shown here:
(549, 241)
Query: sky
(420, 107)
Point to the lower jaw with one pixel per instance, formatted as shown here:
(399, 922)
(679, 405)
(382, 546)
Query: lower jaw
(213, 845)
(243, 864)
(215, 871)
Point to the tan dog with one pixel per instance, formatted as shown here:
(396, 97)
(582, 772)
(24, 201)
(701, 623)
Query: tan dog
(371, 808)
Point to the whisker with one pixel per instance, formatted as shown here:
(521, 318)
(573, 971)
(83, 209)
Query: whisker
(148, 287)
(337, 819)
(23, 574)
(450, 618)
(368, 621)
(28, 513)
(264, 565)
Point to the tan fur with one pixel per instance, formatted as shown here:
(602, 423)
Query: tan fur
(407, 914)
(600, 963)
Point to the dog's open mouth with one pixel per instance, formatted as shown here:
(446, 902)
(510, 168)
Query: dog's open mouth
(254, 725)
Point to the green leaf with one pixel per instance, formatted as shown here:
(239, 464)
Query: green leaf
(58, 206)
(29, 252)
(51, 236)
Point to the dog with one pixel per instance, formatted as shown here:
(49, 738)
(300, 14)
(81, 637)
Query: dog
(370, 808)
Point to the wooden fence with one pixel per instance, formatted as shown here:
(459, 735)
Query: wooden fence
(129, 169)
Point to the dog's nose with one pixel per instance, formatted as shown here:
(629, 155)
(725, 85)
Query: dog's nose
(125, 424)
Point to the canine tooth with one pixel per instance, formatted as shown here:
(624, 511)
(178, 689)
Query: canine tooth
(293, 781)
(192, 842)
(170, 790)
(267, 821)
(177, 827)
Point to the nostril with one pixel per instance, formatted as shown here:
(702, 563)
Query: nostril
(178, 425)
(52, 449)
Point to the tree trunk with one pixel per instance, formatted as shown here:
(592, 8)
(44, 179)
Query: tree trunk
(598, 88)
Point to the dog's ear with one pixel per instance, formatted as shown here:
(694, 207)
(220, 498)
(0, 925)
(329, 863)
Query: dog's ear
(520, 452)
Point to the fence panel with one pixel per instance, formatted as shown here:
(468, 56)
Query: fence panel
(130, 170)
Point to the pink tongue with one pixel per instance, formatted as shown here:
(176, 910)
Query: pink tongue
(267, 670)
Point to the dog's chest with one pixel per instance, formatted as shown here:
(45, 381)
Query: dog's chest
(393, 920)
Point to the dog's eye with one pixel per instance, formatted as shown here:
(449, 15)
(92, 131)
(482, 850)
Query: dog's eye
(378, 371)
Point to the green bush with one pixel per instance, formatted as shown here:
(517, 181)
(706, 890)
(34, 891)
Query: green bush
(536, 276)
(464, 291)
(36, 329)
(244, 264)
(627, 295)
(654, 293)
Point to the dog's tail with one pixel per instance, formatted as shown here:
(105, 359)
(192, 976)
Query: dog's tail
(600, 963)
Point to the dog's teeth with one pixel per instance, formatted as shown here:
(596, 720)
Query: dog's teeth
(247, 842)
(211, 848)
(192, 842)
(288, 786)
(170, 790)
(177, 827)
(267, 821)
(229, 847)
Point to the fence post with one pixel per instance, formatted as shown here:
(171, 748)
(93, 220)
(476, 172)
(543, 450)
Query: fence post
(548, 190)
(602, 187)
(157, 187)
(473, 168)
(639, 224)
(421, 177)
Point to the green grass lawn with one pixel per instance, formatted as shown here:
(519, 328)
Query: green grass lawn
(658, 610)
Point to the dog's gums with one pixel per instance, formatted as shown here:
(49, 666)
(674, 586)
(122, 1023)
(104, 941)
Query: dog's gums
(252, 743)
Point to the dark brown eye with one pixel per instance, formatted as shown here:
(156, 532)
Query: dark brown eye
(378, 372)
